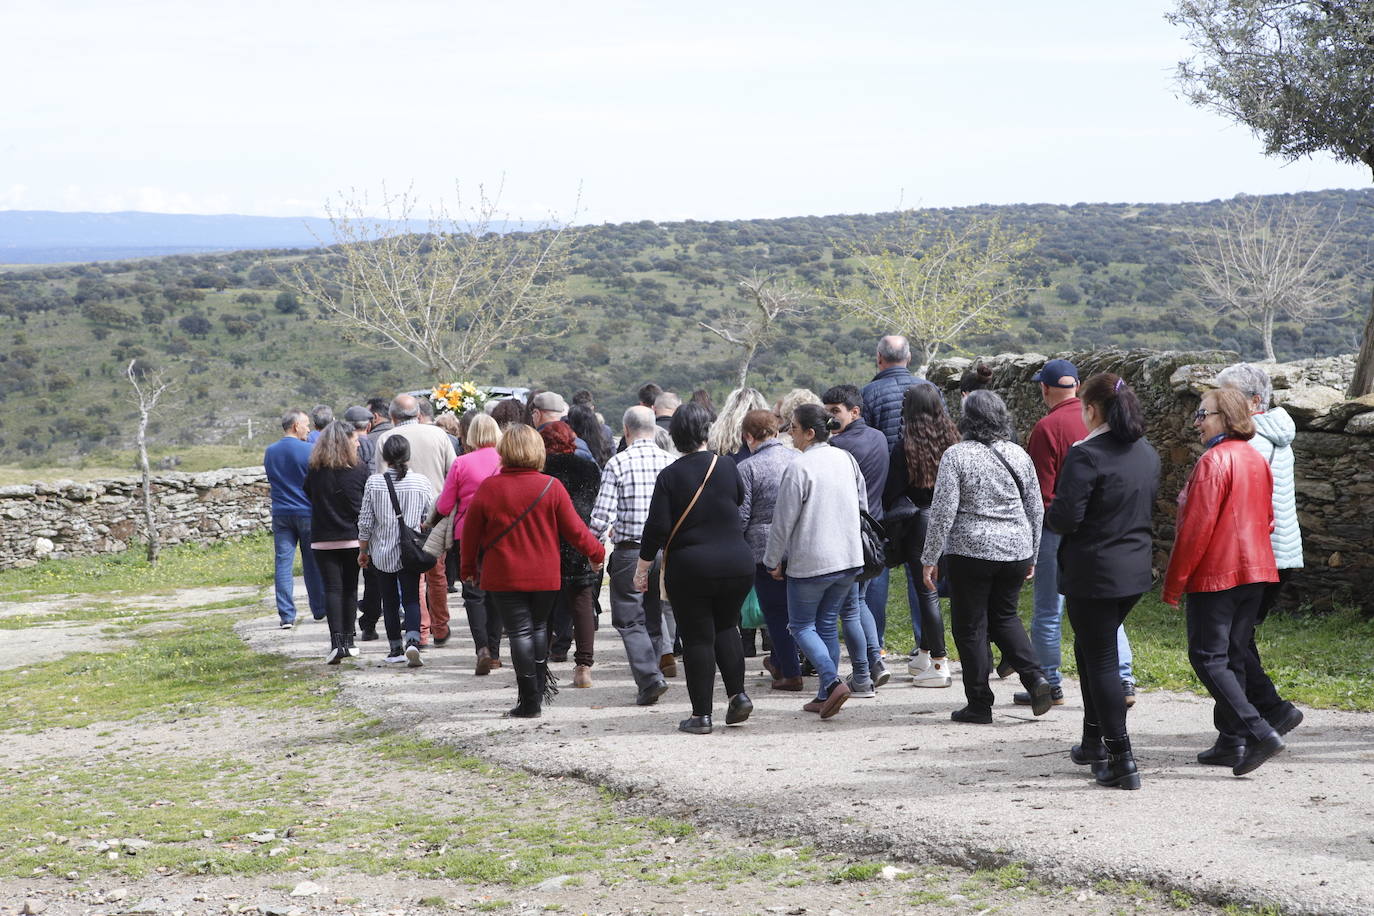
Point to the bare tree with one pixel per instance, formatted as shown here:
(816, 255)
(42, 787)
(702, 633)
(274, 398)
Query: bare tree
(936, 287)
(1259, 263)
(148, 390)
(446, 296)
(768, 299)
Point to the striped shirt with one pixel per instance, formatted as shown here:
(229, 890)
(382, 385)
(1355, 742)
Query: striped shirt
(377, 521)
(627, 488)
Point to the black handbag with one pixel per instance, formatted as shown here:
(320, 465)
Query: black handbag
(874, 541)
(412, 543)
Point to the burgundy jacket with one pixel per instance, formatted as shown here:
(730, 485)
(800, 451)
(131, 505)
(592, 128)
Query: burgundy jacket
(1225, 515)
(1051, 440)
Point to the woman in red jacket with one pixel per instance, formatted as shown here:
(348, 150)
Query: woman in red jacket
(1221, 560)
(510, 545)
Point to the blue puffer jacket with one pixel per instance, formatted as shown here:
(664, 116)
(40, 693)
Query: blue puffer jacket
(882, 398)
(1274, 433)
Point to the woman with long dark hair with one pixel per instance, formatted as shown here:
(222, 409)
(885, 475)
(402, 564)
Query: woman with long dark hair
(334, 481)
(1223, 560)
(985, 518)
(584, 424)
(379, 545)
(574, 614)
(927, 431)
(1103, 501)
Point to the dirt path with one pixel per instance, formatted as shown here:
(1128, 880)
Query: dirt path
(893, 776)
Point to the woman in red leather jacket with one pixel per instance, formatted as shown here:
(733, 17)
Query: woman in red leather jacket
(1222, 560)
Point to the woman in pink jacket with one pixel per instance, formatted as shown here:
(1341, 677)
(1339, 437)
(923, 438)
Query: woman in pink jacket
(465, 475)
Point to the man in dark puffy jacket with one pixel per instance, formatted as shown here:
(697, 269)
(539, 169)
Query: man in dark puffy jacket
(882, 397)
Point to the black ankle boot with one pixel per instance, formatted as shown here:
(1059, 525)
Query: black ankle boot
(546, 682)
(529, 706)
(1092, 751)
(1118, 771)
(739, 709)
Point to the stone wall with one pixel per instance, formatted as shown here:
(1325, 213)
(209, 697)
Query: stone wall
(69, 519)
(1334, 447)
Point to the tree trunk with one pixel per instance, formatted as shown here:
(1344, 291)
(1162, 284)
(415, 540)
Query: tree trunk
(1267, 332)
(744, 362)
(148, 516)
(1363, 382)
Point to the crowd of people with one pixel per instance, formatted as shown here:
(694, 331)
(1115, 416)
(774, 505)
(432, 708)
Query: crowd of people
(799, 509)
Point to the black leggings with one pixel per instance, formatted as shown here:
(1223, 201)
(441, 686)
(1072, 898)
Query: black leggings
(932, 622)
(982, 605)
(707, 611)
(526, 617)
(339, 573)
(1095, 622)
(1221, 626)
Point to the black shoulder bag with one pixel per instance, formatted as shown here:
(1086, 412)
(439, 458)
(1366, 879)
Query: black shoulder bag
(412, 543)
(871, 536)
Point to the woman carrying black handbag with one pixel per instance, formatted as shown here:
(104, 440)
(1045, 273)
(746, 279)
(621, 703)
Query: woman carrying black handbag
(392, 502)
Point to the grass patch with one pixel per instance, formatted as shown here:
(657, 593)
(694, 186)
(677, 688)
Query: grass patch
(183, 672)
(247, 561)
(859, 871)
(1320, 660)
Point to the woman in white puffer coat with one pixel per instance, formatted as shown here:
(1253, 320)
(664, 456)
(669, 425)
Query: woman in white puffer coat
(1274, 434)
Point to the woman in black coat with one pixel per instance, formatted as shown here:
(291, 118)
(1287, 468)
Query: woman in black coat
(1103, 500)
(334, 482)
(574, 615)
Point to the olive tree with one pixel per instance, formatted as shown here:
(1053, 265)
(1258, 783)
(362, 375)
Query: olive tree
(444, 291)
(768, 299)
(1300, 74)
(149, 387)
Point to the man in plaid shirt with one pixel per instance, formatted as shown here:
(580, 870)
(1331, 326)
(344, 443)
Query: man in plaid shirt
(622, 506)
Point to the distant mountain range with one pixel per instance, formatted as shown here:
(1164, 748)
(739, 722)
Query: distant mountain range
(48, 236)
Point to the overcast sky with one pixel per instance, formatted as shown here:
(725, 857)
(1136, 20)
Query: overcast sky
(657, 111)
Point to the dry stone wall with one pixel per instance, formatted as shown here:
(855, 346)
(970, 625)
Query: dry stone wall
(1334, 447)
(70, 519)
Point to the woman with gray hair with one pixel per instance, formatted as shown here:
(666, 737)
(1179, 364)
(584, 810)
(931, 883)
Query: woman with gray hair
(1273, 439)
(985, 518)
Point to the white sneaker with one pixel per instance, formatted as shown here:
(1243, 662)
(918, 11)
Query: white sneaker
(937, 675)
(920, 661)
(336, 655)
(353, 652)
(413, 656)
(287, 626)
(397, 658)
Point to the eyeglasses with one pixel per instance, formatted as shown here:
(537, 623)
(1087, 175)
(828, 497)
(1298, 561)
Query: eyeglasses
(1200, 414)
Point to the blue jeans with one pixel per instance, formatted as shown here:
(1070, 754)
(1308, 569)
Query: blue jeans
(288, 532)
(814, 606)
(875, 596)
(869, 624)
(772, 596)
(1047, 619)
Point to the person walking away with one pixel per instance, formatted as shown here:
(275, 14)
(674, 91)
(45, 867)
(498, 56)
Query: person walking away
(1103, 503)
(985, 517)
(334, 483)
(727, 429)
(760, 477)
(370, 606)
(694, 521)
(379, 545)
(927, 431)
(870, 450)
(321, 415)
(621, 508)
(815, 530)
(468, 472)
(575, 609)
(431, 454)
(1049, 443)
(286, 462)
(510, 548)
(585, 426)
(1273, 439)
(1222, 560)
(549, 407)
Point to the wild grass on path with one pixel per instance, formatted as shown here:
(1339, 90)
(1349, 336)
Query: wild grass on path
(1321, 660)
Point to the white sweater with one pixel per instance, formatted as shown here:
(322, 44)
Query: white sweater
(816, 518)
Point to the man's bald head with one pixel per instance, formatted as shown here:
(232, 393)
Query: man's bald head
(404, 407)
(639, 423)
(893, 350)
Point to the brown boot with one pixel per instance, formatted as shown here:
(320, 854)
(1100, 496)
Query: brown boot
(484, 665)
(787, 683)
(582, 676)
(668, 665)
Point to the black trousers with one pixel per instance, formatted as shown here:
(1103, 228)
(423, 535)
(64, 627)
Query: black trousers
(707, 611)
(339, 573)
(982, 603)
(483, 620)
(370, 605)
(1095, 622)
(1221, 627)
(932, 622)
(1259, 689)
(526, 618)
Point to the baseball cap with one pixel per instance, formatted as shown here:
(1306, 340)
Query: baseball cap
(356, 415)
(551, 401)
(1053, 371)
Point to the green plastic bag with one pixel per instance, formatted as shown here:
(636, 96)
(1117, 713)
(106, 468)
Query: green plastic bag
(750, 614)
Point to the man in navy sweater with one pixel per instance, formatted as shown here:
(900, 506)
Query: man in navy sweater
(285, 461)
